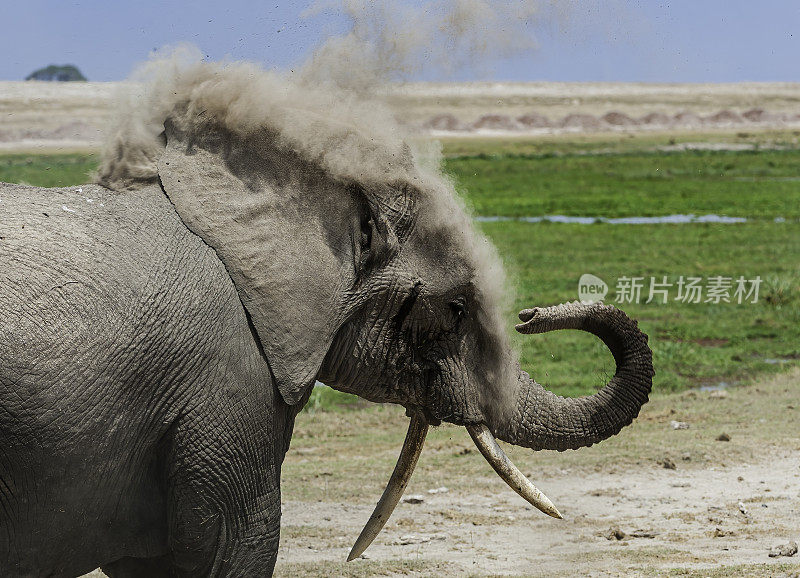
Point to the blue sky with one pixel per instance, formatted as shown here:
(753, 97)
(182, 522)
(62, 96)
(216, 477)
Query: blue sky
(645, 40)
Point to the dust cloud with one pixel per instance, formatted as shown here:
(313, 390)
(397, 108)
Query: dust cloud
(391, 41)
(332, 108)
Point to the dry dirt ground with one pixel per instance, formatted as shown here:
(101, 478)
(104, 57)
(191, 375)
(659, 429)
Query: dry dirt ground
(54, 115)
(655, 500)
(73, 115)
(554, 100)
(652, 501)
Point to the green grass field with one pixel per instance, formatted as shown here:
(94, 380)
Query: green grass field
(752, 184)
(694, 344)
(58, 170)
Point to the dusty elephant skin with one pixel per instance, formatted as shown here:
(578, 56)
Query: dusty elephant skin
(158, 335)
(126, 359)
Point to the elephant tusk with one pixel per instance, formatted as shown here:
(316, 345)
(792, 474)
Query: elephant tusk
(412, 448)
(510, 474)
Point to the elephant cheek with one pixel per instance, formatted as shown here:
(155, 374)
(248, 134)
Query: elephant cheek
(452, 394)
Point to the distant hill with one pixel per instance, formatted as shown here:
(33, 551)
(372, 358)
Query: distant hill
(64, 73)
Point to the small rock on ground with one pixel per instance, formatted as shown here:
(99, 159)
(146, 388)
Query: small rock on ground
(413, 499)
(668, 463)
(787, 550)
(614, 534)
(743, 509)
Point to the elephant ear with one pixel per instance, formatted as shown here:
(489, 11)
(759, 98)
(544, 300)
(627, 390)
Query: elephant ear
(282, 229)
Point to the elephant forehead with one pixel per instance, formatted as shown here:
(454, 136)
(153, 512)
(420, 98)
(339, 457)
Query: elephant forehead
(443, 252)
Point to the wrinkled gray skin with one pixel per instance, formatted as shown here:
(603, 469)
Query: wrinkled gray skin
(152, 360)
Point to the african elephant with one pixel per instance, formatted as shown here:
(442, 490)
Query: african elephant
(160, 331)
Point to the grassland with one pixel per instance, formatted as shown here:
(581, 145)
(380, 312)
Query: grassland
(694, 344)
(753, 184)
(620, 143)
(52, 170)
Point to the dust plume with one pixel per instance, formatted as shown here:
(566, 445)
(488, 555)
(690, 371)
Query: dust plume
(331, 127)
(332, 110)
(391, 41)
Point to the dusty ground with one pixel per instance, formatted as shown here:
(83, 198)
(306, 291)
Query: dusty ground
(469, 101)
(715, 511)
(53, 115)
(72, 115)
(686, 519)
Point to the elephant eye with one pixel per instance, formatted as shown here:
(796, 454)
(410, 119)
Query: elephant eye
(459, 308)
(366, 234)
(363, 241)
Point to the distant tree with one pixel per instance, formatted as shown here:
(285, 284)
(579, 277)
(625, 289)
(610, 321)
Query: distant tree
(64, 73)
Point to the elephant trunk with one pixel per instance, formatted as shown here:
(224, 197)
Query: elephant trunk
(543, 420)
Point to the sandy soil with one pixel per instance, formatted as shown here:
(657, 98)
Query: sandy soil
(47, 116)
(667, 519)
(654, 500)
(501, 109)
(595, 98)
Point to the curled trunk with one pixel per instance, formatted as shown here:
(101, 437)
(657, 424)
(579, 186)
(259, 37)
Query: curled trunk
(543, 420)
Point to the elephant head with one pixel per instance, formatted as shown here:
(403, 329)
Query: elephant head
(357, 266)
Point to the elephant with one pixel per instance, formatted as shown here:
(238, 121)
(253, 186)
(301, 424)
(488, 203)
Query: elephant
(161, 329)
